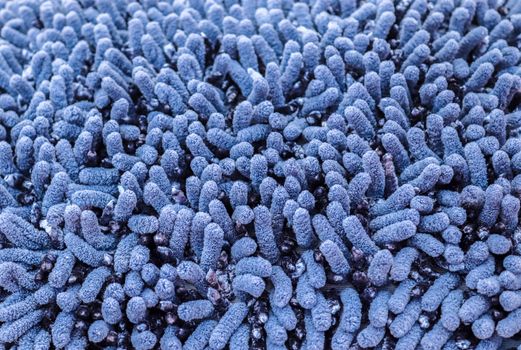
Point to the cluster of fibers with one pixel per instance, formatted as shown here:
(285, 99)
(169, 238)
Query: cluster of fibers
(260, 174)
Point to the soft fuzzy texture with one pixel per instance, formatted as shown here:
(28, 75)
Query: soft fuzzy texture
(260, 174)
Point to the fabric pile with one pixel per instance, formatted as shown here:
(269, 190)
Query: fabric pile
(260, 174)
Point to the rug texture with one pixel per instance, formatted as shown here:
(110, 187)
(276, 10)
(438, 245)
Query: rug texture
(260, 174)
